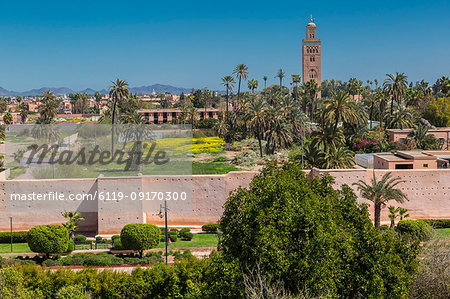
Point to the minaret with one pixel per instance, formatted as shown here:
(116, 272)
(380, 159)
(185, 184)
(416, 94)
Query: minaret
(311, 52)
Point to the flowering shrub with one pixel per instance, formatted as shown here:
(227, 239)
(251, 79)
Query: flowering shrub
(209, 145)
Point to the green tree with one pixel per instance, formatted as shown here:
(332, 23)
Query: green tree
(228, 82)
(311, 88)
(338, 158)
(443, 84)
(8, 118)
(72, 222)
(265, 81)
(241, 72)
(140, 236)
(395, 85)
(280, 75)
(380, 192)
(49, 107)
(311, 238)
(118, 92)
(253, 85)
(98, 99)
(256, 119)
(340, 108)
(401, 118)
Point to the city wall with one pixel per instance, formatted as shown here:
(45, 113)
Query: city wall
(428, 194)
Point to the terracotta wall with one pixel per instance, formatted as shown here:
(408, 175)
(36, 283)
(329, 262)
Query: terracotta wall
(428, 193)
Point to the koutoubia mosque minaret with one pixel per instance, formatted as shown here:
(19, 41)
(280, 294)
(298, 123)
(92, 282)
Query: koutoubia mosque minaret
(311, 51)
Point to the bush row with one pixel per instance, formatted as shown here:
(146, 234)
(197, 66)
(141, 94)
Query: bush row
(438, 223)
(18, 237)
(211, 228)
(417, 229)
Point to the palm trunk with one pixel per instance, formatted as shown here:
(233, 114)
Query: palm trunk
(370, 116)
(335, 127)
(112, 125)
(228, 101)
(260, 145)
(377, 214)
(239, 90)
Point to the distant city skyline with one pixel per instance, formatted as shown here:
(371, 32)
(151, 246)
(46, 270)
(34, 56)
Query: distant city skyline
(192, 45)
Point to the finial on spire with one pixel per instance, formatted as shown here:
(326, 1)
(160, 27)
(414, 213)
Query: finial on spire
(311, 19)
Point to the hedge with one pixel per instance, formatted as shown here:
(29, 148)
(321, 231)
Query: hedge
(438, 223)
(418, 229)
(140, 236)
(48, 239)
(18, 237)
(211, 228)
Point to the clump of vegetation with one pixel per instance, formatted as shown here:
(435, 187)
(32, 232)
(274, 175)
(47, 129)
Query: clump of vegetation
(139, 236)
(210, 145)
(211, 228)
(48, 239)
(294, 219)
(247, 158)
(417, 229)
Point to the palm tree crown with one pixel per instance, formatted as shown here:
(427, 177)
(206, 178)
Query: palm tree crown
(380, 192)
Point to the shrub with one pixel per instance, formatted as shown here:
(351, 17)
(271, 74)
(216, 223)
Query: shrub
(173, 236)
(220, 159)
(79, 238)
(211, 228)
(299, 232)
(207, 123)
(72, 291)
(384, 227)
(70, 246)
(187, 236)
(98, 239)
(140, 236)
(432, 279)
(417, 229)
(117, 244)
(18, 237)
(48, 239)
(247, 158)
(438, 223)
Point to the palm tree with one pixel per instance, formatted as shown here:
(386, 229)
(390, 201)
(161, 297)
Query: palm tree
(296, 79)
(72, 219)
(402, 118)
(281, 75)
(395, 86)
(354, 86)
(228, 82)
(252, 85)
(256, 119)
(311, 87)
(8, 118)
(340, 108)
(443, 84)
(338, 157)
(241, 72)
(265, 81)
(380, 192)
(98, 98)
(118, 92)
(49, 107)
(278, 134)
(323, 137)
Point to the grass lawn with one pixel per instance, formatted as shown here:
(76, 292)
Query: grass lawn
(212, 168)
(199, 240)
(443, 234)
(17, 248)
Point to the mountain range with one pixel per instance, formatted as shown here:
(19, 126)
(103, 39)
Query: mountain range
(60, 91)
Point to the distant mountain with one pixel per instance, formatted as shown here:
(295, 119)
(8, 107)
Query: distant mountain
(89, 91)
(60, 91)
(158, 88)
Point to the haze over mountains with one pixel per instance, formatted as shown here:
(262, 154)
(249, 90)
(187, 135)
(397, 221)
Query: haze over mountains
(60, 91)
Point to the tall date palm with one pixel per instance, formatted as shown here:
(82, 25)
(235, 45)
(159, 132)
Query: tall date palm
(241, 72)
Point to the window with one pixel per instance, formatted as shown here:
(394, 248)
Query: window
(425, 165)
(441, 141)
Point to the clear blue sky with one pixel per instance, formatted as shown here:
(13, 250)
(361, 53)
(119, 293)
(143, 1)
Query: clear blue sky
(80, 44)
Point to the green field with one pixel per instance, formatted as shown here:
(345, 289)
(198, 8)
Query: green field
(17, 248)
(443, 234)
(199, 240)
